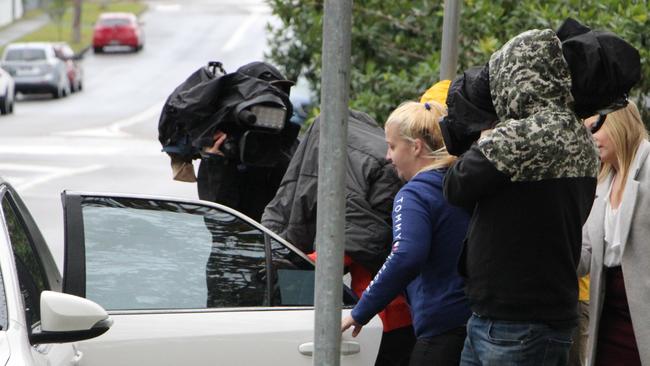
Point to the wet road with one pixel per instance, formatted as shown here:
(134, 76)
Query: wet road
(105, 137)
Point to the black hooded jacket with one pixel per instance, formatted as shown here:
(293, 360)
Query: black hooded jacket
(371, 185)
(531, 183)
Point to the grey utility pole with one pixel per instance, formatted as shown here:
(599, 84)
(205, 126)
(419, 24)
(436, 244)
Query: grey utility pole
(330, 219)
(449, 50)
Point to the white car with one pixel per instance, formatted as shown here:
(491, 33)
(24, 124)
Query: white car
(193, 283)
(7, 92)
(37, 324)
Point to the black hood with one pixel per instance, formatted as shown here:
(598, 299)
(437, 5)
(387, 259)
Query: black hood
(603, 66)
(469, 110)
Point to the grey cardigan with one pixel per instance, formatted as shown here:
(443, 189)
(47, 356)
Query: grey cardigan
(635, 230)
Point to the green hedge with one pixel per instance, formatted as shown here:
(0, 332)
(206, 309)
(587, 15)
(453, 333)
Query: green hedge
(396, 44)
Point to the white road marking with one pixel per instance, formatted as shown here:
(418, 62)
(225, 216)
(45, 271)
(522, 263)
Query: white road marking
(143, 116)
(94, 132)
(43, 150)
(52, 174)
(115, 128)
(28, 168)
(14, 180)
(236, 37)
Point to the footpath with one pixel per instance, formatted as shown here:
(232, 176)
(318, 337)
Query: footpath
(20, 28)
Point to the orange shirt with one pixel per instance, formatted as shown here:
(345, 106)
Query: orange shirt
(583, 286)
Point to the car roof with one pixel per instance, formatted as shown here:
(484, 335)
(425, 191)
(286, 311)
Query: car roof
(117, 15)
(29, 45)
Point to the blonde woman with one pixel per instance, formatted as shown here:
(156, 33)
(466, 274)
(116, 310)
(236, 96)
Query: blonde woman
(615, 249)
(427, 240)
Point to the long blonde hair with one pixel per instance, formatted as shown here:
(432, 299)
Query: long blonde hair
(626, 131)
(420, 121)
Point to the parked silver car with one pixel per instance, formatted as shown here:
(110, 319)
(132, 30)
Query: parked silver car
(36, 69)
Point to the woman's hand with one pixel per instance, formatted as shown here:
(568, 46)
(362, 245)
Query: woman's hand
(348, 322)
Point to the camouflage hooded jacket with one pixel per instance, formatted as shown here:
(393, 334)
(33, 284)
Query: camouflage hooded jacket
(531, 183)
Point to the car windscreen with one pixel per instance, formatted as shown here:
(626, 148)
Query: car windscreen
(114, 22)
(25, 54)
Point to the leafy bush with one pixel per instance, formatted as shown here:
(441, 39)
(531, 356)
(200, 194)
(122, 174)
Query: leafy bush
(396, 44)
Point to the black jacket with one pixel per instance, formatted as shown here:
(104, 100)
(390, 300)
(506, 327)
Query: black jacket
(246, 189)
(371, 185)
(531, 183)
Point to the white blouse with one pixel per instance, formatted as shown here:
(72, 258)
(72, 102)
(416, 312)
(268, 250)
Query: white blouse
(613, 245)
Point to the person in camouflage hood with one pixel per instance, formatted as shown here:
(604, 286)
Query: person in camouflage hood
(530, 182)
(539, 136)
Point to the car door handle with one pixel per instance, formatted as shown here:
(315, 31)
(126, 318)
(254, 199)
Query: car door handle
(306, 349)
(350, 348)
(347, 348)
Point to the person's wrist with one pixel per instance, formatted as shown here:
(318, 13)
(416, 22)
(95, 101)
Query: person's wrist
(354, 314)
(212, 157)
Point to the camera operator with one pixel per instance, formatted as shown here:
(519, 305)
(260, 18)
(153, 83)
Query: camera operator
(247, 187)
(530, 182)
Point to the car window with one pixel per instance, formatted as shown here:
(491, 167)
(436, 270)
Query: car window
(145, 254)
(25, 54)
(142, 254)
(31, 274)
(114, 22)
(293, 281)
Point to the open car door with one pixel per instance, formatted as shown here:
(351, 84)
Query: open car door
(193, 283)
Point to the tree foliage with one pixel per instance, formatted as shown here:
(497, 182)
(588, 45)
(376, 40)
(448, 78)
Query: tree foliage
(56, 9)
(396, 44)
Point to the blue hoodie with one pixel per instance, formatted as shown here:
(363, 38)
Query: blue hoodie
(427, 240)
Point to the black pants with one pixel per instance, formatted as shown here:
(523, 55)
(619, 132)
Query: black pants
(441, 350)
(395, 347)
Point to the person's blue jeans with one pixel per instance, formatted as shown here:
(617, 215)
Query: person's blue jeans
(514, 343)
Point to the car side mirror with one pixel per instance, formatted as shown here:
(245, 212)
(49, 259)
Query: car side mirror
(69, 318)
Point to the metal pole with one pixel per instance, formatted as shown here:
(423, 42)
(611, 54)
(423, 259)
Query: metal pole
(330, 219)
(449, 50)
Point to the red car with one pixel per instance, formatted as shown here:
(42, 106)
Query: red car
(117, 29)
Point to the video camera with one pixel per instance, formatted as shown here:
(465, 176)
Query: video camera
(251, 106)
(255, 115)
(253, 139)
